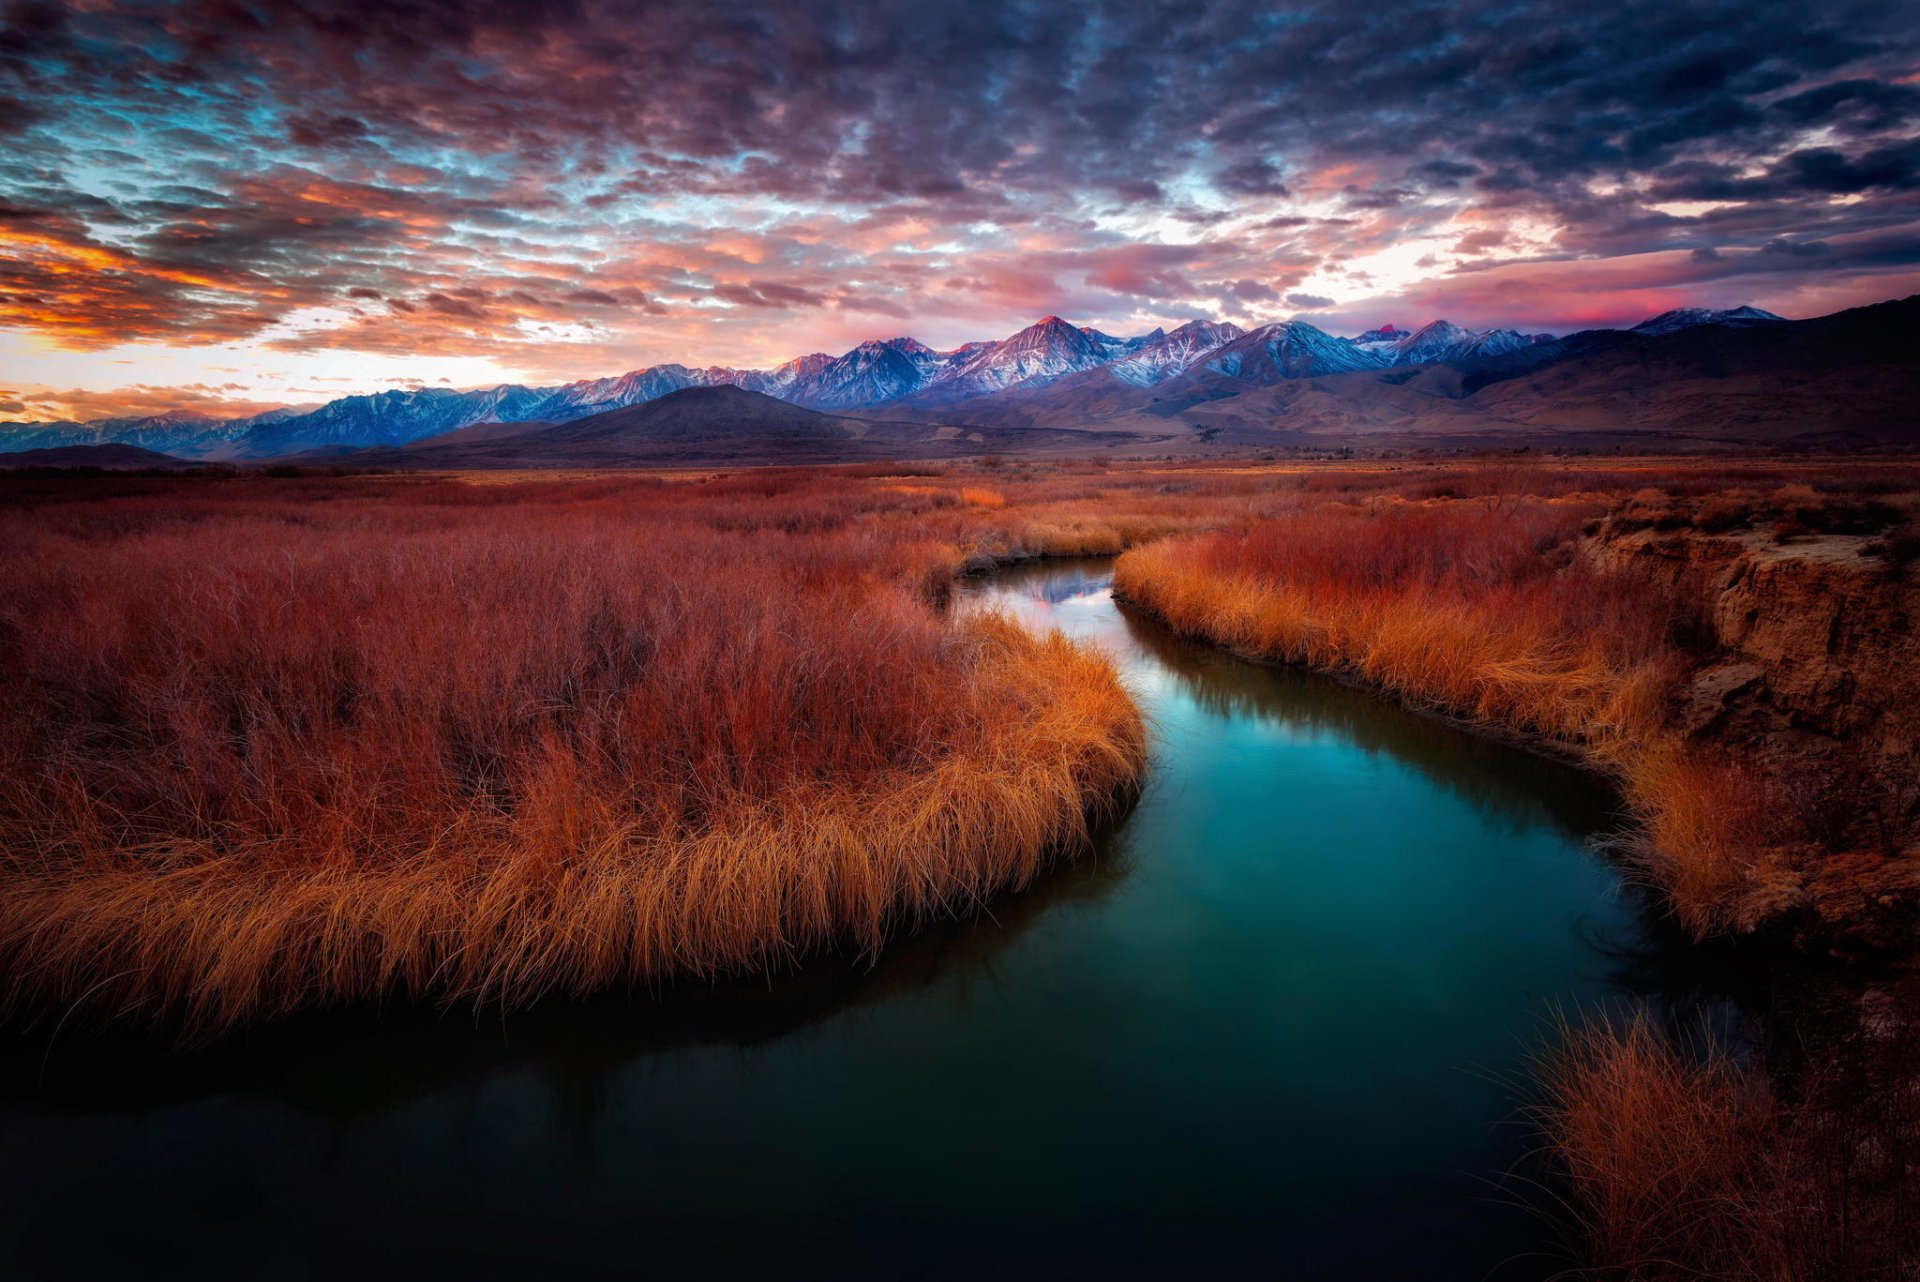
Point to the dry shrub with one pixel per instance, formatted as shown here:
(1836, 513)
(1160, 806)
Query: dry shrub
(272, 741)
(1656, 1150)
(1901, 545)
(1711, 833)
(1684, 1163)
(1719, 513)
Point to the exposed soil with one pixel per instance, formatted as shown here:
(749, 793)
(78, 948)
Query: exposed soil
(1815, 679)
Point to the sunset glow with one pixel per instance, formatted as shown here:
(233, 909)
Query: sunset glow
(224, 207)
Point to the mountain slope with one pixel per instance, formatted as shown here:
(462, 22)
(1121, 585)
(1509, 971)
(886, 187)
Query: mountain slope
(1844, 379)
(874, 373)
(1837, 382)
(1162, 355)
(1291, 349)
(112, 455)
(1691, 317)
(1045, 350)
(384, 418)
(723, 424)
(690, 423)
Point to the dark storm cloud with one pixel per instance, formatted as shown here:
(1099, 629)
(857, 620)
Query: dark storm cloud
(1251, 178)
(324, 131)
(1856, 106)
(555, 157)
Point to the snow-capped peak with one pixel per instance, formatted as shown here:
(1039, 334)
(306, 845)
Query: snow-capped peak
(1691, 317)
(1290, 349)
(1434, 341)
(1046, 349)
(1162, 355)
(1385, 336)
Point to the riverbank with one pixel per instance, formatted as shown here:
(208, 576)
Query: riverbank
(282, 742)
(1741, 664)
(1708, 699)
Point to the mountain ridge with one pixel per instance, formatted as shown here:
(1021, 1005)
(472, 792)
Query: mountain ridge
(1023, 379)
(713, 425)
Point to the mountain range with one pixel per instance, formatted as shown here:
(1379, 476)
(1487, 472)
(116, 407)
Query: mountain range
(724, 423)
(1205, 381)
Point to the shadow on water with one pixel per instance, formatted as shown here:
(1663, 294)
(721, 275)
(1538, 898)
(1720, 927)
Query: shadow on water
(1271, 1025)
(341, 1064)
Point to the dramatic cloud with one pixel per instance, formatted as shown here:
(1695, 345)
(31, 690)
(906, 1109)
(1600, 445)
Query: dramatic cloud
(560, 188)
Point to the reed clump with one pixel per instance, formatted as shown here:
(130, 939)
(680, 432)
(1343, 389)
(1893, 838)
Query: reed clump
(1650, 1140)
(1684, 1161)
(263, 748)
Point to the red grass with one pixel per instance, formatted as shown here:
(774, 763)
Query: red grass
(263, 750)
(272, 744)
(1650, 1142)
(1684, 1165)
(1478, 611)
(1487, 609)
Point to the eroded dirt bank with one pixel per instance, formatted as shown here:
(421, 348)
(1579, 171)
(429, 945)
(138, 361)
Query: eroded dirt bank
(1812, 678)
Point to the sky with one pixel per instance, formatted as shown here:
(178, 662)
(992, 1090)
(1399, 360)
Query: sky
(227, 205)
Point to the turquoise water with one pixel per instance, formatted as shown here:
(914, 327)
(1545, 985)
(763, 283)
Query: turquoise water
(1277, 1026)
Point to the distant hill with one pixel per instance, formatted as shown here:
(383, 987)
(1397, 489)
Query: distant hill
(721, 424)
(115, 456)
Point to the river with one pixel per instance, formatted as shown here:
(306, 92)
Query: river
(1278, 1024)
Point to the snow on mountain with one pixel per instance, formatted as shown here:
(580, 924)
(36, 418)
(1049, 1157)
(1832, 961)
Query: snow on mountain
(1161, 355)
(873, 373)
(1114, 348)
(598, 395)
(967, 351)
(393, 417)
(179, 432)
(782, 377)
(1498, 342)
(1434, 341)
(1045, 350)
(1689, 317)
(1290, 349)
(1380, 340)
(1440, 340)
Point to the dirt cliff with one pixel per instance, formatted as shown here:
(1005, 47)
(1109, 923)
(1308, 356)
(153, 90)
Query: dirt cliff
(1809, 670)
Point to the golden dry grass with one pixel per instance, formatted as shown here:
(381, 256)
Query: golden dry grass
(1658, 1151)
(1682, 1162)
(266, 742)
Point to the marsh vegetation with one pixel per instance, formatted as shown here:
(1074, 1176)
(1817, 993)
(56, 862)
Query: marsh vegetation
(277, 743)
